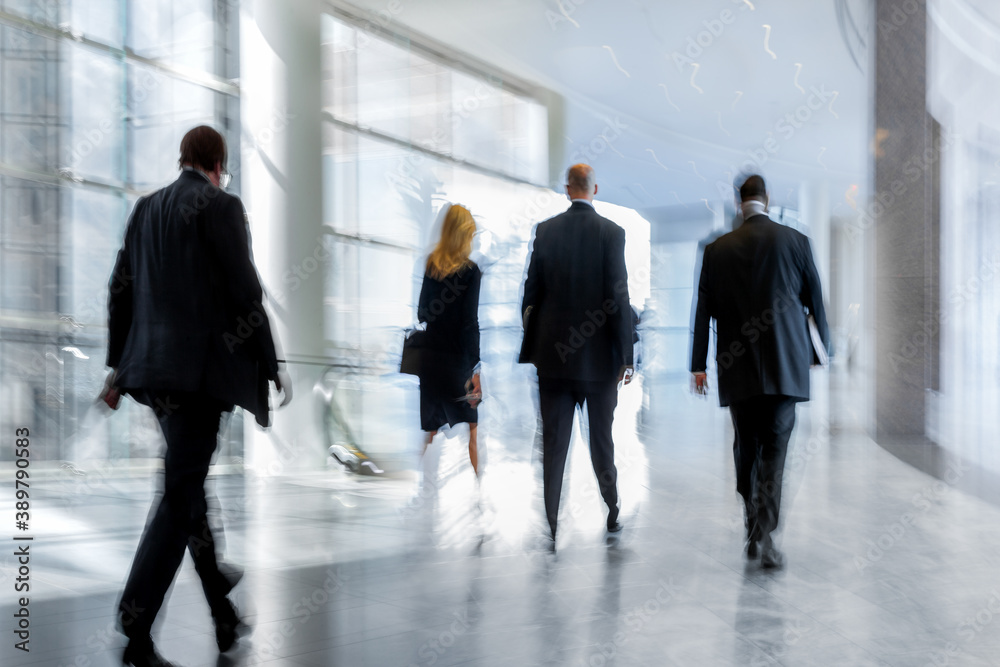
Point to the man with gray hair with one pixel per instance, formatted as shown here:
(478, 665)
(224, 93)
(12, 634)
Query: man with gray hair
(578, 334)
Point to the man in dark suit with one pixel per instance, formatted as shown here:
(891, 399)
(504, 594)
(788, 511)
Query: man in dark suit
(759, 283)
(578, 334)
(188, 337)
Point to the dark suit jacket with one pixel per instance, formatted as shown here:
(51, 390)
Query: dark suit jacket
(758, 283)
(184, 311)
(576, 312)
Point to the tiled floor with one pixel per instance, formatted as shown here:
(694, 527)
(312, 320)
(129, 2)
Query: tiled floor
(886, 565)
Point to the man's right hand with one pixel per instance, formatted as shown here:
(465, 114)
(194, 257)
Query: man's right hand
(110, 393)
(699, 383)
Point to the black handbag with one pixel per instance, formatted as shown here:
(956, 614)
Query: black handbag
(414, 345)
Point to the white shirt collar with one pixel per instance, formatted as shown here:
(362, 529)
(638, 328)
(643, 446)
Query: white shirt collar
(583, 201)
(753, 207)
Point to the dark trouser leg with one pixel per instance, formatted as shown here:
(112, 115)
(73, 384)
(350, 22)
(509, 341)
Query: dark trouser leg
(557, 406)
(777, 419)
(201, 546)
(601, 399)
(744, 416)
(190, 429)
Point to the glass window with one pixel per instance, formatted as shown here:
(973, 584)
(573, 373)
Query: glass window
(83, 128)
(179, 32)
(29, 112)
(100, 20)
(385, 199)
(390, 88)
(95, 142)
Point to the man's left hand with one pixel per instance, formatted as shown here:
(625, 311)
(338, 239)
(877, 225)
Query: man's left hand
(283, 383)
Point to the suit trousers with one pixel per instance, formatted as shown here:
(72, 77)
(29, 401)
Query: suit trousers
(763, 426)
(190, 425)
(558, 399)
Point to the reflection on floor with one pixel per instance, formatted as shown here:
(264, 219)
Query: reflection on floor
(885, 565)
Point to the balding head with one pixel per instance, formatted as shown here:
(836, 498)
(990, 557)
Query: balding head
(581, 182)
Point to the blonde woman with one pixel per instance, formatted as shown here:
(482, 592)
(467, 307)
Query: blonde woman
(449, 304)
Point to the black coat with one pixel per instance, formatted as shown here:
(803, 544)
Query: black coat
(758, 283)
(576, 311)
(184, 311)
(450, 308)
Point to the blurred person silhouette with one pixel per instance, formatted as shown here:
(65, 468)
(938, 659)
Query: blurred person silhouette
(188, 337)
(578, 332)
(636, 338)
(759, 283)
(450, 388)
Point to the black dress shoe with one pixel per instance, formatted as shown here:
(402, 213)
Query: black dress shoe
(228, 628)
(771, 558)
(615, 527)
(226, 633)
(140, 653)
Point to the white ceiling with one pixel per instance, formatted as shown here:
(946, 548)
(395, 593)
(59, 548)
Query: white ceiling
(690, 123)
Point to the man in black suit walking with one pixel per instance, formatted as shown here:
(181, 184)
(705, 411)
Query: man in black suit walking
(578, 334)
(188, 337)
(759, 283)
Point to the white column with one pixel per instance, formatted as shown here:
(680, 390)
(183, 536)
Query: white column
(814, 213)
(280, 81)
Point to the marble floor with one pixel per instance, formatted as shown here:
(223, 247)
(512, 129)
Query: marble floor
(885, 563)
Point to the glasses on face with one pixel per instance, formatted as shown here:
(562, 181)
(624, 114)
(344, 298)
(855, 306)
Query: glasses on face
(225, 178)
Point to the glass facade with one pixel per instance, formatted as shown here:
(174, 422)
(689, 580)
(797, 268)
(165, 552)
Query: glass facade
(963, 71)
(96, 95)
(405, 135)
